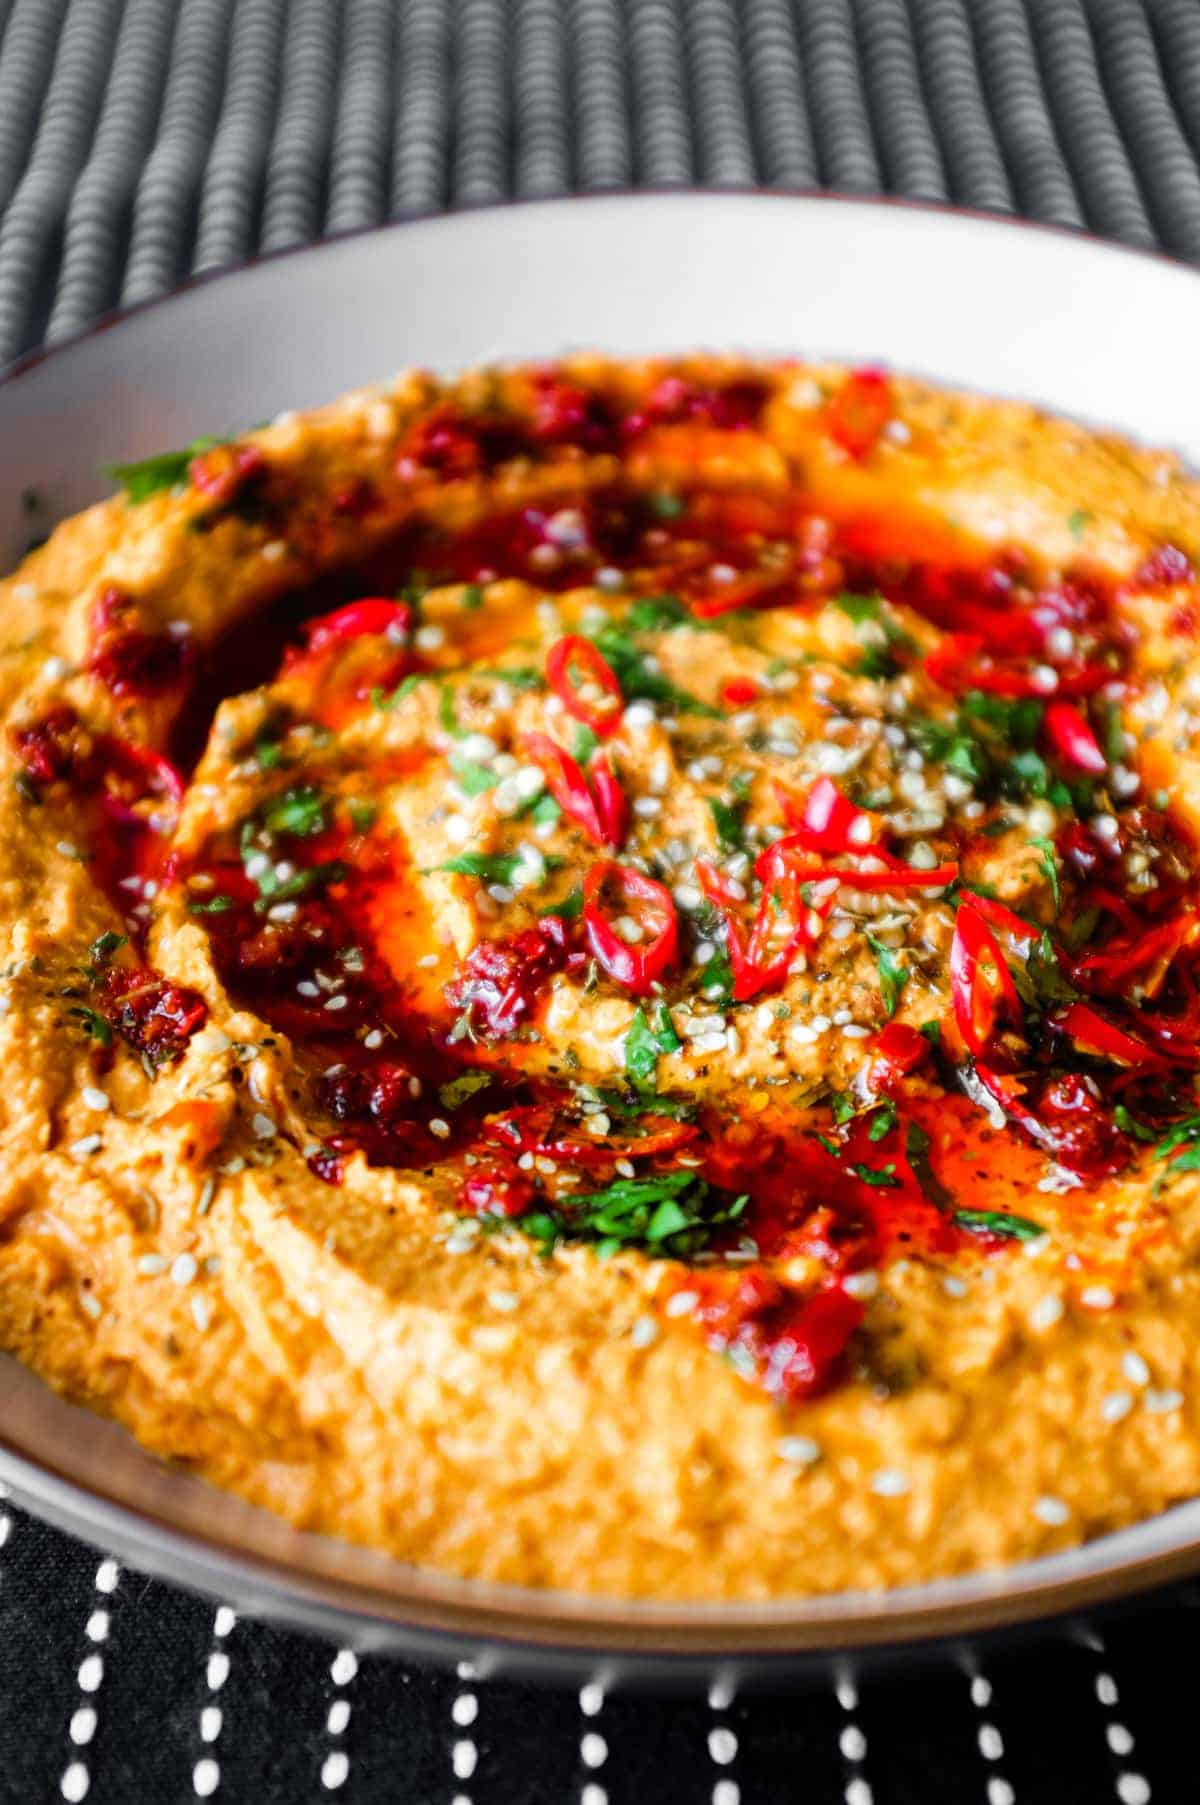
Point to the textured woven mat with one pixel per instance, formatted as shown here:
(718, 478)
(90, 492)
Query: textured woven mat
(141, 140)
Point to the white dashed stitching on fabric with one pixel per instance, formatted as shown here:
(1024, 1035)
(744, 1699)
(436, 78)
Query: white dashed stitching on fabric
(76, 1776)
(335, 1768)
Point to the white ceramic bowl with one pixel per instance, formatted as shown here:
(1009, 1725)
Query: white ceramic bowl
(1089, 329)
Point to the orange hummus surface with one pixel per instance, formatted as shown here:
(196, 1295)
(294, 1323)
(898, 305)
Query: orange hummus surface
(601, 982)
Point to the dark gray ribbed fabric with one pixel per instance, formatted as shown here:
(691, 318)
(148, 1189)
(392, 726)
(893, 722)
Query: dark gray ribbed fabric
(141, 140)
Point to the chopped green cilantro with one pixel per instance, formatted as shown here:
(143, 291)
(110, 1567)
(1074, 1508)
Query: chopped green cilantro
(457, 1090)
(659, 614)
(493, 867)
(892, 975)
(638, 678)
(916, 1152)
(1049, 864)
(165, 470)
(673, 1215)
(999, 1222)
(300, 811)
(473, 778)
(727, 818)
(648, 1036)
(879, 1178)
(210, 905)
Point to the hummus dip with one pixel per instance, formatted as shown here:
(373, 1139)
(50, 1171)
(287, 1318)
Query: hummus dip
(601, 974)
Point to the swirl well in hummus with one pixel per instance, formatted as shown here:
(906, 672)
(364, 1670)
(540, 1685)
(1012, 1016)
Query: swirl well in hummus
(602, 974)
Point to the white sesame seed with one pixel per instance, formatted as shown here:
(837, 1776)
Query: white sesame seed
(95, 1099)
(889, 1482)
(90, 1305)
(89, 1143)
(1097, 1297)
(1115, 1405)
(861, 1285)
(150, 1265)
(1046, 1312)
(682, 1303)
(1135, 1368)
(55, 669)
(1161, 1403)
(798, 1450)
(262, 1126)
(477, 747)
(201, 1315)
(953, 1286)
(504, 1301)
(1051, 1511)
(184, 1269)
(439, 1127)
(644, 1332)
(640, 714)
(430, 638)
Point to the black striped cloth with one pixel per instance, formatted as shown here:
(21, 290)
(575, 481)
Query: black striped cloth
(142, 140)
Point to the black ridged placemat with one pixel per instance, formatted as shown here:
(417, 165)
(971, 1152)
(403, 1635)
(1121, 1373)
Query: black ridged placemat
(141, 140)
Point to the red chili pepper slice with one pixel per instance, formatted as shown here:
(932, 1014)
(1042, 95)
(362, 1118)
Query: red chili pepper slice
(738, 692)
(1149, 953)
(857, 414)
(1094, 1033)
(141, 766)
(897, 876)
(762, 591)
(595, 802)
(373, 614)
(827, 821)
(981, 984)
(602, 713)
(636, 968)
(756, 965)
(1023, 932)
(1071, 737)
(897, 1050)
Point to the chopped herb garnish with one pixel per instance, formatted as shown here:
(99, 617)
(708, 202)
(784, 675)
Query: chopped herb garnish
(673, 1215)
(665, 506)
(272, 890)
(727, 818)
(446, 713)
(1077, 520)
(166, 470)
(916, 1152)
(493, 867)
(639, 679)
(386, 699)
(457, 1090)
(1130, 1125)
(93, 1024)
(543, 811)
(300, 811)
(659, 614)
(104, 946)
(472, 597)
(716, 980)
(1049, 866)
(892, 975)
(648, 1036)
(999, 1222)
(473, 778)
(879, 1178)
(584, 742)
(362, 814)
(883, 1120)
(268, 754)
(209, 905)
(569, 908)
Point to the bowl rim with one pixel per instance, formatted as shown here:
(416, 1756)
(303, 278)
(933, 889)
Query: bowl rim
(439, 1613)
